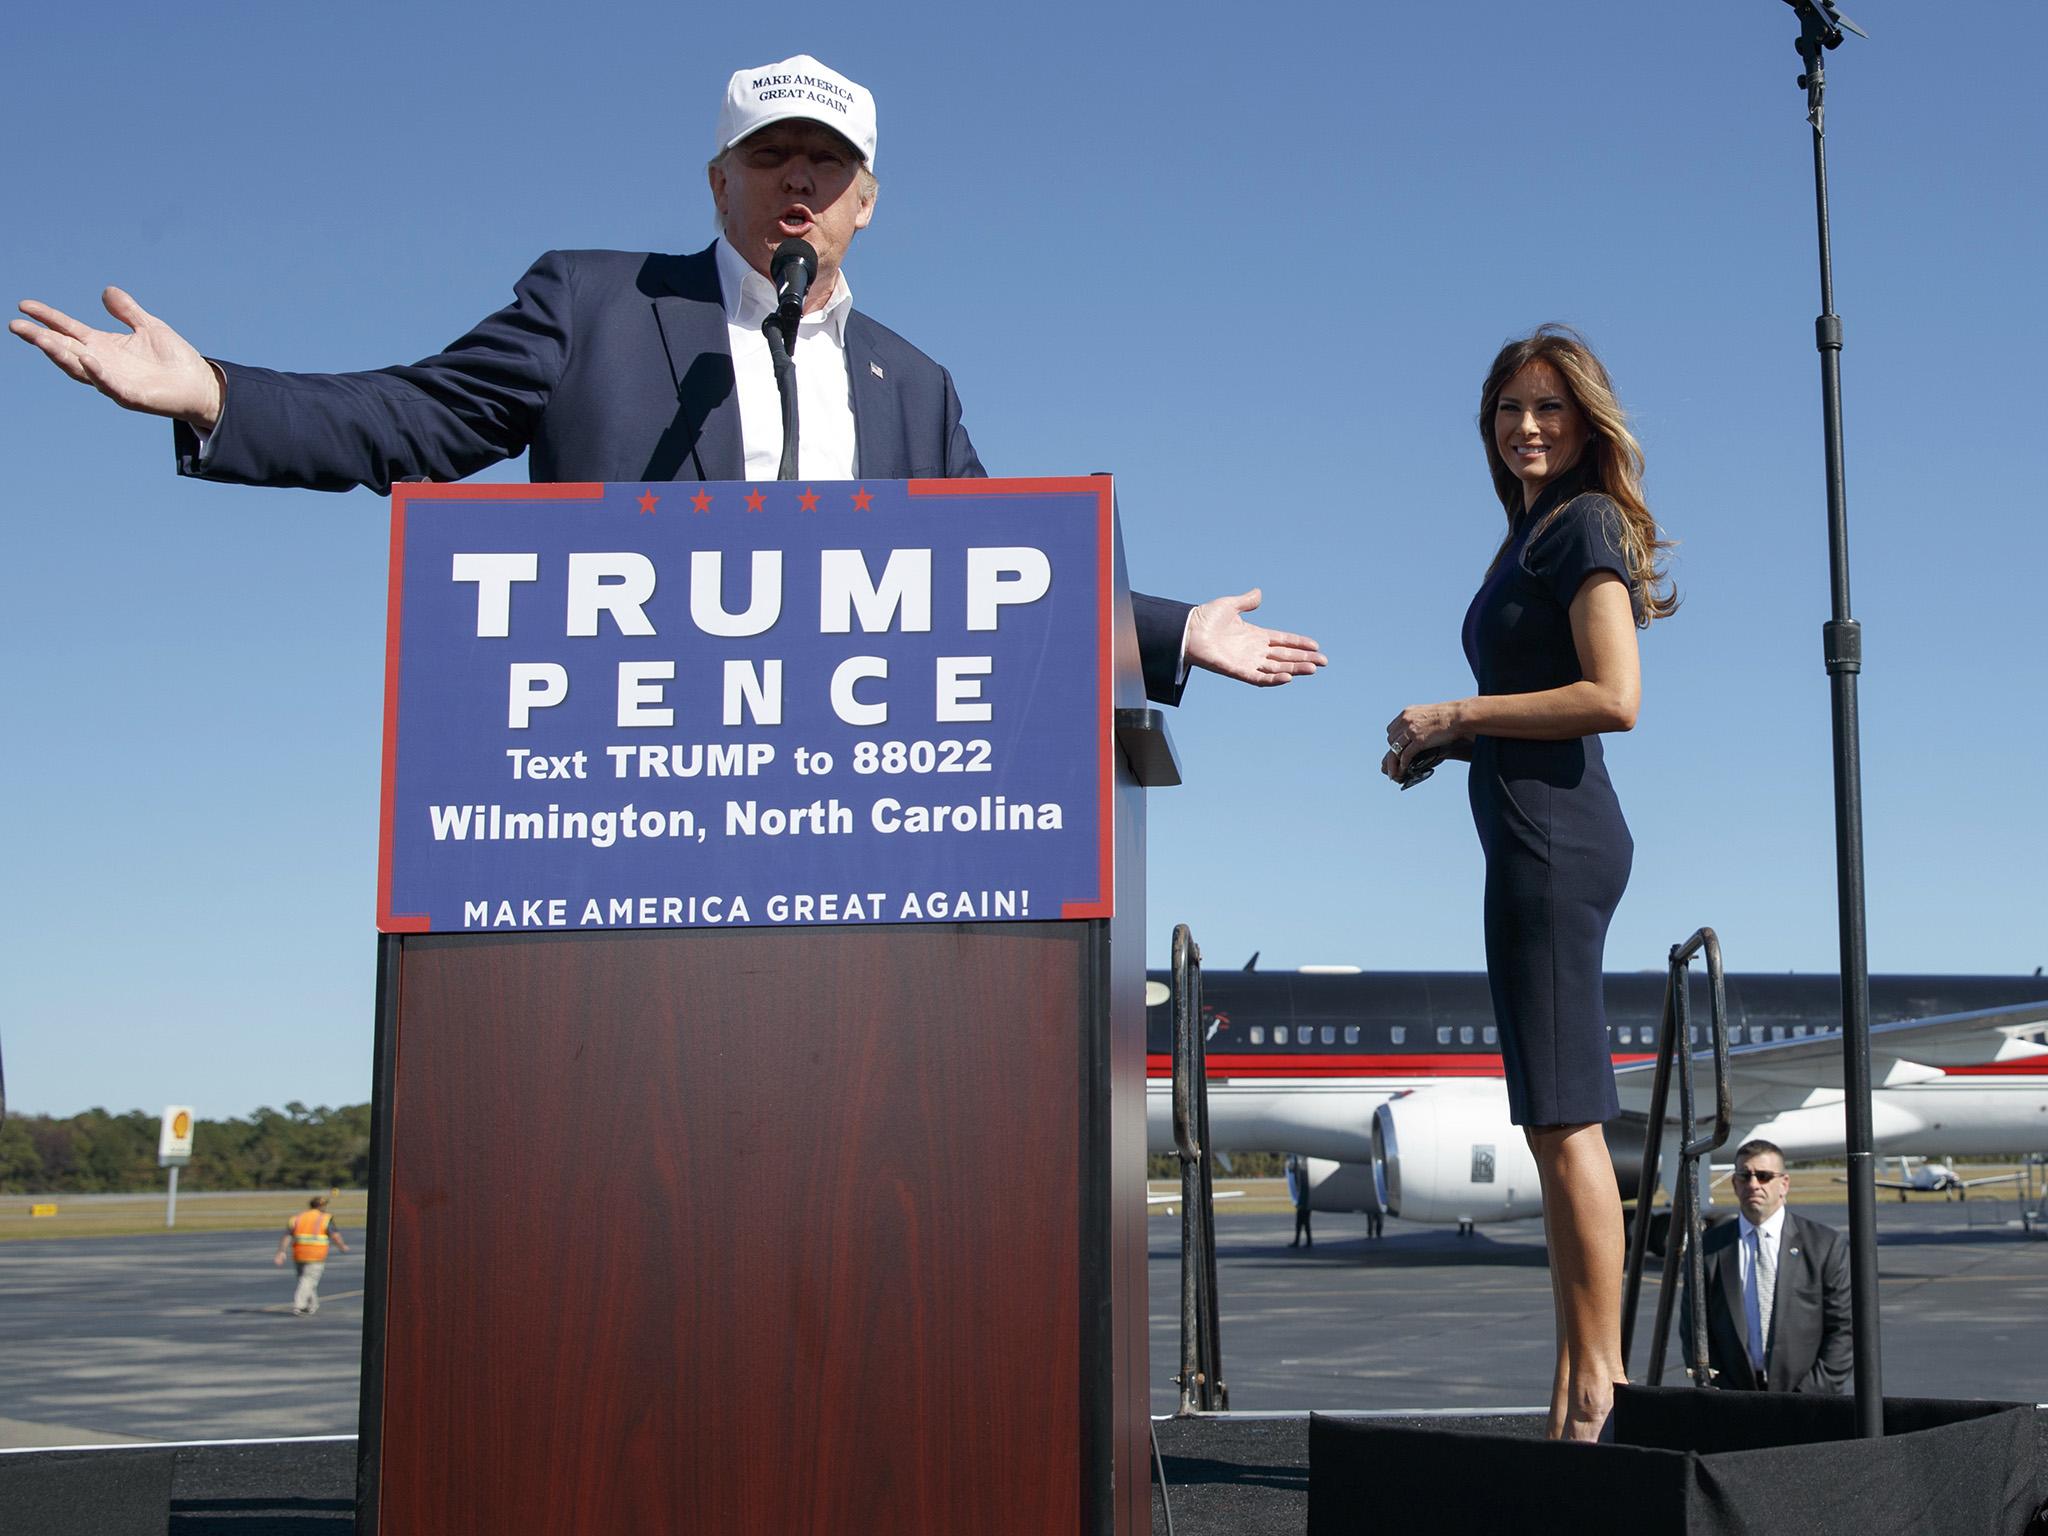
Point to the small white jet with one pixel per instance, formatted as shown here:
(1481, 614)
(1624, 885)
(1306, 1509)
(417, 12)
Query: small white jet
(1925, 1176)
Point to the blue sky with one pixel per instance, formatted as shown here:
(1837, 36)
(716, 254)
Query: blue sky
(1254, 261)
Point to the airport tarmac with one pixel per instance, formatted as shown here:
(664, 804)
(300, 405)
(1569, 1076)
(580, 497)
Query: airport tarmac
(191, 1337)
(175, 1336)
(1422, 1319)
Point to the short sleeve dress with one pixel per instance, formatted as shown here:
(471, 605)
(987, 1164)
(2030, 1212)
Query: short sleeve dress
(1557, 849)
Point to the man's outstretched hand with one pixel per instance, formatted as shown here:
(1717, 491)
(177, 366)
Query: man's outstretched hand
(151, 369)
(1220, 640)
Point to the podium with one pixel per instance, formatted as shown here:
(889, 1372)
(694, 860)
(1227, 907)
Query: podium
(768, 1225)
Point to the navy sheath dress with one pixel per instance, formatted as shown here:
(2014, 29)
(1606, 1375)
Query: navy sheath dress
(1557, 849)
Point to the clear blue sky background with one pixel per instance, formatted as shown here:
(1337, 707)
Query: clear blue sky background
(1253, 260)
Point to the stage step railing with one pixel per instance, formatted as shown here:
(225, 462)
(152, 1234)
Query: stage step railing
(1202, 1389)
(1682, 1236)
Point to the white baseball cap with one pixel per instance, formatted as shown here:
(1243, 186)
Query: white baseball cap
(798, 87)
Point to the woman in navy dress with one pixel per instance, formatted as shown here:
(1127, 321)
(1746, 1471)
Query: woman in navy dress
(1551, 638)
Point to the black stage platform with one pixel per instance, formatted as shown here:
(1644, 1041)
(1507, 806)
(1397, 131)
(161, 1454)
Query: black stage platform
(1242, 1475)
(1231, 1475)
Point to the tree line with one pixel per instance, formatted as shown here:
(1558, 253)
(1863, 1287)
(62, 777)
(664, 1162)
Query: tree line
(291, 1148)
(96, 1152)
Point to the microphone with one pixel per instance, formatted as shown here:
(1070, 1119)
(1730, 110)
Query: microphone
(791, 269)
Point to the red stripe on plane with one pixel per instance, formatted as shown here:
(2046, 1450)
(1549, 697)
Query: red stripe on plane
(1459, 1064)
(1330, 1064)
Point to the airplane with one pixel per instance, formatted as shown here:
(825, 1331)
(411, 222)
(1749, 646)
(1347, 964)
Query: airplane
(1389, 1083)
(1926, 1176)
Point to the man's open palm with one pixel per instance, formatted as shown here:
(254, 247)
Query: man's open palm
(1220, 639)
(149, 368)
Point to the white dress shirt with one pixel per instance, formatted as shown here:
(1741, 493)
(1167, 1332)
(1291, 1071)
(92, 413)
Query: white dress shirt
(824, 395)
(826, 443)
(1767, 1236)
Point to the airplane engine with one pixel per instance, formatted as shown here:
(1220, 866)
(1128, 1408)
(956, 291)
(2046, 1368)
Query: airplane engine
(1449, 1153)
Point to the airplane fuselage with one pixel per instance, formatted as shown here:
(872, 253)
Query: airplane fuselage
(1300, 1061)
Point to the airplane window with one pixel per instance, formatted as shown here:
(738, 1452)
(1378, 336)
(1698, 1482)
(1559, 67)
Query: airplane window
(1627, 1037)
(1329, 1034)
(1490, 1035)
(1800, 1030)
(1443, 1034)
(1279, 1034)
(1735, 1034)
(1465, 1035)
(1777, 1031)
(1258, 1034)
(1649, 1034)
(1351, 1034)
(1695, 1034)
(1398, 1034)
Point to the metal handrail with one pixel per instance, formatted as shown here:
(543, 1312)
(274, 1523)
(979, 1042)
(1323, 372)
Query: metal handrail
(1211, 1315)
(1683, 1234)
(1187, 961)
(1201, 1338)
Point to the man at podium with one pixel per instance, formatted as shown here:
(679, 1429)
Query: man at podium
(629, 366)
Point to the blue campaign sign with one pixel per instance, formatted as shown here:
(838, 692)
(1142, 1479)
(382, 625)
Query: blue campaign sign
(681, 705)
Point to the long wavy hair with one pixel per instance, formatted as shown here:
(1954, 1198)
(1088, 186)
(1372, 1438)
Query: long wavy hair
(1611, 462)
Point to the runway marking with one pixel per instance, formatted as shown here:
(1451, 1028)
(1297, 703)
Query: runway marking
(1357, 1413)
(170, 1445)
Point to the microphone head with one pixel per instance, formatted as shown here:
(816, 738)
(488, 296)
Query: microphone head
(794, 252)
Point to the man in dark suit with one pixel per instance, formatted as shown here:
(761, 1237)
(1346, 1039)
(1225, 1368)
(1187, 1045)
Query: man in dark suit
(1777, 1288)
(629, 366)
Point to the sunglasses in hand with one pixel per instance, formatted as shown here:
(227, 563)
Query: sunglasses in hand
(1422, 765)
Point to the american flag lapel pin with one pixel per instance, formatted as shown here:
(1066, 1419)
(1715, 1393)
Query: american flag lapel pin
(876, 369)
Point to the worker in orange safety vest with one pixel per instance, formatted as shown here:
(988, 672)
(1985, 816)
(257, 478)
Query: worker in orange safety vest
(306, 1238)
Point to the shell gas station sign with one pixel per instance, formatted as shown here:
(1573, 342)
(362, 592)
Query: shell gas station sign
(174, 1142)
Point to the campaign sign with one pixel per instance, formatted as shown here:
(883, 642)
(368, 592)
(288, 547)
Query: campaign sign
(681, 705)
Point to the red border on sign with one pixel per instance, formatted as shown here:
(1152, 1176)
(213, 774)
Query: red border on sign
(1103, 488)
(394, 615)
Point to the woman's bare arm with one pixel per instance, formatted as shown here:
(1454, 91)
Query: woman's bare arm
(1606, 699)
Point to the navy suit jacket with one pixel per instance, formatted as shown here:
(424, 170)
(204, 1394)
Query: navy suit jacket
(1810, 1348)
(607, 366)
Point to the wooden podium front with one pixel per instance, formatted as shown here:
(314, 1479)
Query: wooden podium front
(766, 1230)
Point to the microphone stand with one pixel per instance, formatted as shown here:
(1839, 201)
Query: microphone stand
(781, 352)
(1820, 28)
